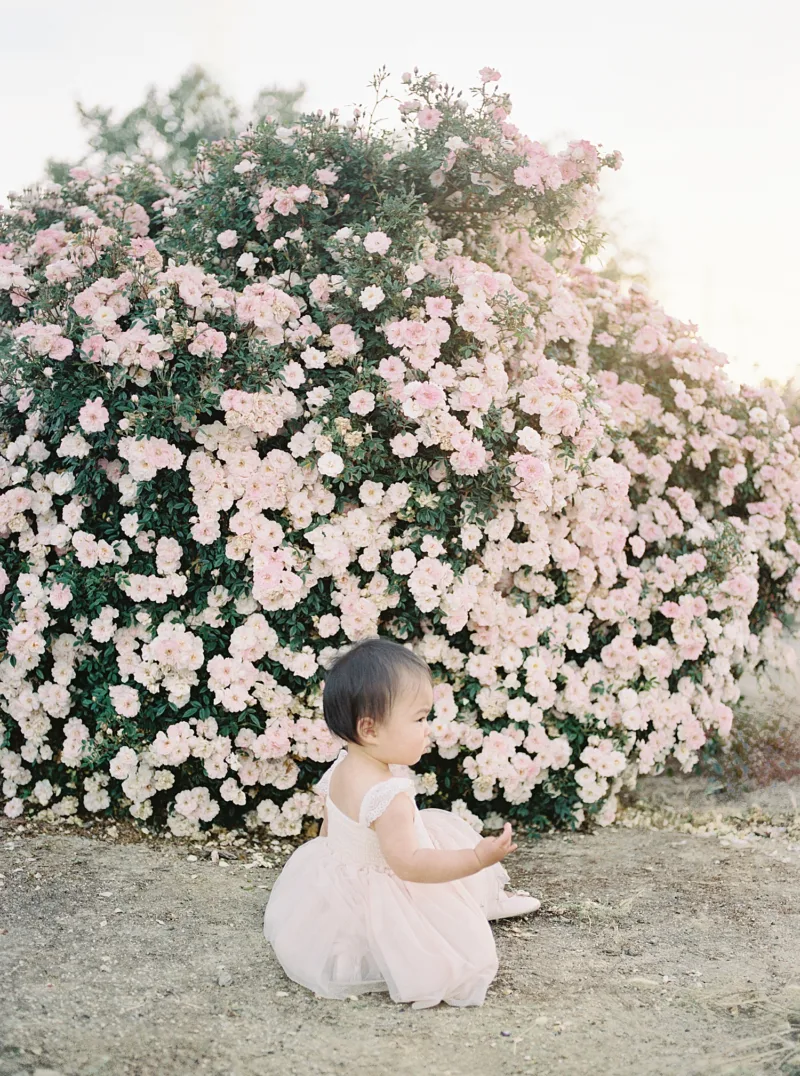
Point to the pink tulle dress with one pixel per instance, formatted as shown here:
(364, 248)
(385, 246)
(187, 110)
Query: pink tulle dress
(341, 922)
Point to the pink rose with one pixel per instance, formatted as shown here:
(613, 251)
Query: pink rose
(60, 595)
(392, 368)
(93, 416)
(326, 176)
(403, 561)
(646, 340)
(228, 239)
(361, 402)
(208, 342)
(558, 415)
(284, 204)
(471, 459)
(61, 348)
(320, 288)
(438, 306)
(429, 118)
(345, 340)
(376, 242)
(404, 445)
(528, 176)
(293, 374)
(429, 395)
(301, 193)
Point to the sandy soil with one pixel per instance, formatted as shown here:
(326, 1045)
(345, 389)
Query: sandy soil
(656, 951)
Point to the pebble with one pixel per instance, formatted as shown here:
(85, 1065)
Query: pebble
(224, 978)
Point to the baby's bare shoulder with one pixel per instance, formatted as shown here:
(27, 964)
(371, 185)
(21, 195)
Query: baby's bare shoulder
(350, 784)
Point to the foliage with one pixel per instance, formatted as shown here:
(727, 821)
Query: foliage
(169, 128)
(339, 379)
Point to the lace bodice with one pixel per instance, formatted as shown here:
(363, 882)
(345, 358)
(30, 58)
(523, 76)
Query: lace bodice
(355, 841)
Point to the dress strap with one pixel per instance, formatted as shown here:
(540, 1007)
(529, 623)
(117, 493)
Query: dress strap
(378, 798)
(324, 782)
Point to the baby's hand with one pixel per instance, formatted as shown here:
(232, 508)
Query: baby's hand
(491, 850)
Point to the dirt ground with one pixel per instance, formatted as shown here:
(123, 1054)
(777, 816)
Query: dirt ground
(656, 951)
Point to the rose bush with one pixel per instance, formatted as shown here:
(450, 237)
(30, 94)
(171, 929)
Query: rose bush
(340, 380)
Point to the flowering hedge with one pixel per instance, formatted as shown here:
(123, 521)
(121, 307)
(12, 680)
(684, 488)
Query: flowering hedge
(335, 381)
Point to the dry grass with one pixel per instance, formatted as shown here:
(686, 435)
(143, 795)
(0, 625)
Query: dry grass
(764, 744)
(772, 1041)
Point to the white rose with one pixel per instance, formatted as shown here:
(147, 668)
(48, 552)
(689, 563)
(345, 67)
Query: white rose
(330, 463)
(371, 296)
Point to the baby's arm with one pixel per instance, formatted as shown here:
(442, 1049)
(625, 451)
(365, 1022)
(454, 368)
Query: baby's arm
(398, 841)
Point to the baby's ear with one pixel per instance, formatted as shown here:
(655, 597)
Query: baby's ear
(366, 728)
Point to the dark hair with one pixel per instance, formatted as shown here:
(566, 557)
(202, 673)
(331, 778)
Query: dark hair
(364, 682)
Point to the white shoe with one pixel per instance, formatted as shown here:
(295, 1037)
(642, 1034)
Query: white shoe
(519, 902)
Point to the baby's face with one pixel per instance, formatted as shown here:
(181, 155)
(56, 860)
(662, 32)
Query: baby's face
(405, 736)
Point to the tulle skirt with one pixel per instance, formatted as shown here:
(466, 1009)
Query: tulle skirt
(341, 928)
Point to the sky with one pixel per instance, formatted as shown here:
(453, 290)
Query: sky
(699, 97)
